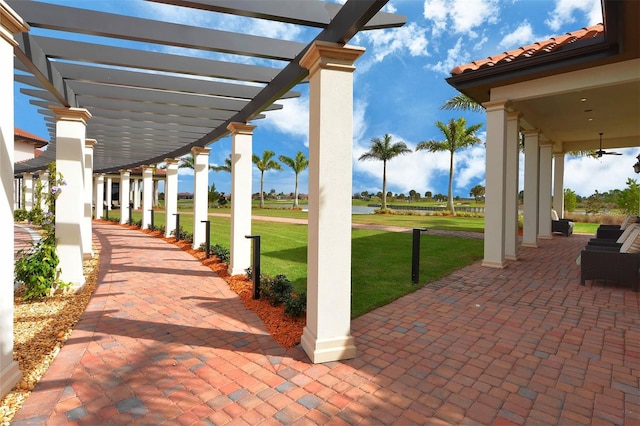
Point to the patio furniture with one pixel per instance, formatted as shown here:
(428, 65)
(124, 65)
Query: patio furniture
(609, 242)
(614, 231)
(562, 226)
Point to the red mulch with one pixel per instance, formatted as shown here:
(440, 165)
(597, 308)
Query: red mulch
(285, 330)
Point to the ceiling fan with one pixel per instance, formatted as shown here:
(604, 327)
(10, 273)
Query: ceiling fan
(600, 152)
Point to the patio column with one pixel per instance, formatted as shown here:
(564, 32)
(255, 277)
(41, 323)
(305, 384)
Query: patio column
(511, 246)
(17, 182)
(10, 24)
(147, 194)
(99, 195)
(124, 196)
(136, 193)
(241, 151)
(87, 245)
(558, 183)
(109, 194)
(27, 187)
(327, 335)
(544, 218)
(44, 181)
(531, 188)
(71, 125)
(171, 196)
(496, 172)
(200, 193)
(156, 185)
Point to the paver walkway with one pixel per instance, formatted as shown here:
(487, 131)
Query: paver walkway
(163, 341)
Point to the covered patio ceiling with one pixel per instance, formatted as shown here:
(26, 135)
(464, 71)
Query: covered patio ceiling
(147, 104)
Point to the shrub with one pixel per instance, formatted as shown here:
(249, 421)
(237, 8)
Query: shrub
(20, 215)
(277, 289)
(38, 270)
(296, 305)
(221, 252)
(161, 229)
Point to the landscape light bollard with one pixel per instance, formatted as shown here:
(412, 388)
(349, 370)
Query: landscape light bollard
(130, 214)
(255, 266)
(106, 210)
(207, 240)
(152, 227)
(177, 215)
(415, 255)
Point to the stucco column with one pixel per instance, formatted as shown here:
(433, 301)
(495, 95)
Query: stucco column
(147, 196)
(156, 187)
(109, 193)
(10, 24)
(71, 125)
(511, 245)
(544, 212)
(136, 193)
(99, 195)
(558, 183)
(495, 199)
(327, 335)
(44, 181)
(171, 196)
(241, 152)
(200, 193)
(531, 187)
(87, 245)
(124, 196)
(16, 193)
(27, 188)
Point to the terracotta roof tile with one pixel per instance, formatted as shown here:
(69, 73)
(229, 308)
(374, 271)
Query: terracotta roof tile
(26, 135)
(535, 49)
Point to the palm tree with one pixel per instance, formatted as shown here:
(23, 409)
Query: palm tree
(263, 164)
(383, 150)
(188, 162)
(462, 102)
(226, 167)
(457, 136)
(297, 164)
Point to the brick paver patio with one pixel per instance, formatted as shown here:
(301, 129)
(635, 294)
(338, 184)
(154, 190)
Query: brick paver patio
(164, 341)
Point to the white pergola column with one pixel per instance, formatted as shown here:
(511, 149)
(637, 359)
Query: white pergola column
(327, 335)
(16, 193)
(200, 193)
(496, 173)
(147, 196)
(156, 188)
(71, 125)
(241, 152)
(99, 195)
(136, 194)
(109, 193)
(10, 24)
(124, 196)
(171, 196)
(87, 246)
(27, 188)
(558, 183)
(44, 181)
(531, 187)
(544, 212)
(511, 245)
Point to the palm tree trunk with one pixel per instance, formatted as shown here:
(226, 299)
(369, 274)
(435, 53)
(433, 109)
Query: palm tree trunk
(384, 185)
(295, 194)
(450, 201)
(262, 190)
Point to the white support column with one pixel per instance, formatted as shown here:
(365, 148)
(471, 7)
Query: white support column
(27, 188)
(147, 194)
(16, 196)
(200, 193)
(241, 152)
(124, 196)
(511, 245)
(495, 200)
(327, 335)
(109, 194)
(71, 125)
(10, 24)
(171, 196)
(99, 195)
(558, 183)
(156, 185)
(87, 244)
(136, 194)
(544, 203)
(531, 187)
(44, 182)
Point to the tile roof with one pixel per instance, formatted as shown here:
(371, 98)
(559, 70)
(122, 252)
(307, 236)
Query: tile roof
(26, 135)
(538, 48)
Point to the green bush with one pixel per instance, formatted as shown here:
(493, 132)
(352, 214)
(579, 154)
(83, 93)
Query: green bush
(221, 252)
(37, 269)
(296, 305)
(277, 289)
(20, 215)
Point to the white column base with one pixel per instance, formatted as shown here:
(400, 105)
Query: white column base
(10, 375)
(512, 256)
(492, 264)
(532, 245)
(334, 349)
(545, 237)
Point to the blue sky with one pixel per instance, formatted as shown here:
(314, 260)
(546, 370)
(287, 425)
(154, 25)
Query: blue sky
(399, 87)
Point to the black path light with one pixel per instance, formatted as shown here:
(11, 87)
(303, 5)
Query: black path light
(207, 241)
(177, 215)
(415, 255)
(255, 267)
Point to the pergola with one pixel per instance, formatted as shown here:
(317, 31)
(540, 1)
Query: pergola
(114, 102)
(558, 95)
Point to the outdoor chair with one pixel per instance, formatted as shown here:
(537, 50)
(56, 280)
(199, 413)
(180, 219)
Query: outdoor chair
(614, 231)
(612, 263)
(562, 226)
(609, 242)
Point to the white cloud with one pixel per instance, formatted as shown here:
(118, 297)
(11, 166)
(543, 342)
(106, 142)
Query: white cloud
(292, 119)
(469, 167)
(521, 36)
(461, 16)
(585, 175)
(410, 39)
(455, 56)
(564, 11)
